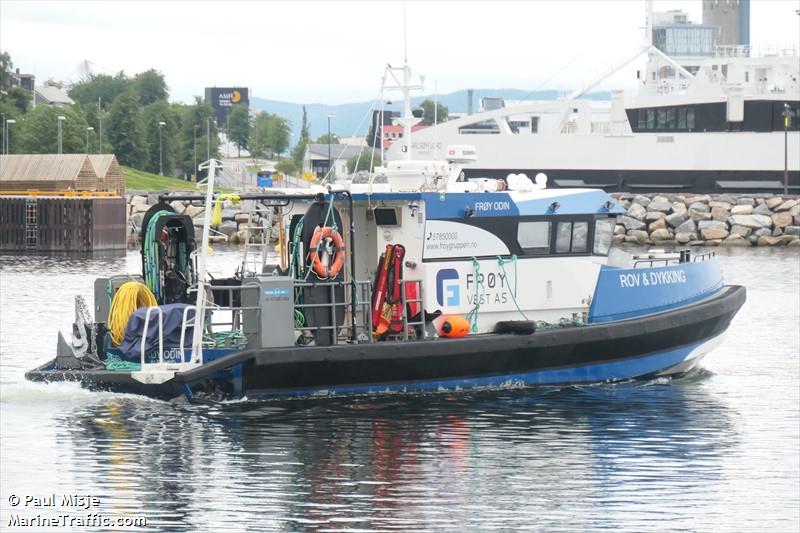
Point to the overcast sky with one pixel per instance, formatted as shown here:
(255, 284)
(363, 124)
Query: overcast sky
(335, 52)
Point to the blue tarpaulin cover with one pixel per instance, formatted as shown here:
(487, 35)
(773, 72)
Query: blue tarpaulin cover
(173, 318)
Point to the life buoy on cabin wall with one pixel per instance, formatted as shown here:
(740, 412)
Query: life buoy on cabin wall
(326, 265)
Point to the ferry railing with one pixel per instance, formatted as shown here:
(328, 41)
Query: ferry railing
(703, 257)
(232, 320)
(679, 257)
(356, 299)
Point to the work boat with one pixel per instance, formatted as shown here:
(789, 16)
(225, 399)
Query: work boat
(424, 282)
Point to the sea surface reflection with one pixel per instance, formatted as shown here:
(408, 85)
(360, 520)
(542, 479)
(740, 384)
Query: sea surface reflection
(714, 451)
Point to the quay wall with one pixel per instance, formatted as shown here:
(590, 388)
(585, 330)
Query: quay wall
(651, 219)
(708, 220)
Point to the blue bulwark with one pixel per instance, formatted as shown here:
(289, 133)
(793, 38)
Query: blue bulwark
(630, 292)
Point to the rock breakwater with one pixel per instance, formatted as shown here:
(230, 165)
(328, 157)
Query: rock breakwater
(708, 219)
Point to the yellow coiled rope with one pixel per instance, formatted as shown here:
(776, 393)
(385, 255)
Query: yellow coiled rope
(130, 297)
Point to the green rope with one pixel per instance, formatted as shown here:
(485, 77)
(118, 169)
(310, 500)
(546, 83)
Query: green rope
(115, 363)
(226, 339)
(502, 262)
(472, 316)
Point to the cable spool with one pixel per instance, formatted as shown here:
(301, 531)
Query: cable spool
(130, 297)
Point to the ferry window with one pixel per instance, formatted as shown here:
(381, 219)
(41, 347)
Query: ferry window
(483, 127)
(580, 233)
(662, 119)
(603, 233)
(534, 237)
(563, 237)
(516, 125)
(534, 124)
(642, 122)
(682, 118)
(671, 119)
(651, 119)
(690, 118)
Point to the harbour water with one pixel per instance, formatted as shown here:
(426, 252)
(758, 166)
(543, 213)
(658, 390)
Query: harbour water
(715, 451)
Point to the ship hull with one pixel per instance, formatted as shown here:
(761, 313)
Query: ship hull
(666, 343)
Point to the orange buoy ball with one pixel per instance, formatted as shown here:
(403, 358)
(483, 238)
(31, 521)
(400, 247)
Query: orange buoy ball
(452, 326)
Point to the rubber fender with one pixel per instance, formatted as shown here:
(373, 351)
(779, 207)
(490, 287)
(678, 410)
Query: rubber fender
(517, 327)
(452, 326)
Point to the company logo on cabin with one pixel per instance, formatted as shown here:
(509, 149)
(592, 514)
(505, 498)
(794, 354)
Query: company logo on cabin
(448, 292)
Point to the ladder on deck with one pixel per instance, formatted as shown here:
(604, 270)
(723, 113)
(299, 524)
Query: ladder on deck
(31, 223)
(257, 240)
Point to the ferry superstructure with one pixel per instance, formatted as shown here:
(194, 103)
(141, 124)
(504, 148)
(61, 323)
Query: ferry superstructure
(701, 124)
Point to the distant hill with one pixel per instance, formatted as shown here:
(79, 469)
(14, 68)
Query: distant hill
(351, 119)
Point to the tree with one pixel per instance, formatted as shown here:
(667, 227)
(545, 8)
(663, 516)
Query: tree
(125, 131)
(368, 160)
(39, 131)
(323, 139)
(304, 127)
(428, 115)
(150, 86)
(239, 127)
(5, 69)
(193, 145)
(270, 134)
(100, 87)
(160, 111)
(299, 152)
(285, 166)
(18, 98)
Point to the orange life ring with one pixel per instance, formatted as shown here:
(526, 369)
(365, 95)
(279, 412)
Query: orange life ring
(334, 266)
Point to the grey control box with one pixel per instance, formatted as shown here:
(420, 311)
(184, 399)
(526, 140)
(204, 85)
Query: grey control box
(271, 325)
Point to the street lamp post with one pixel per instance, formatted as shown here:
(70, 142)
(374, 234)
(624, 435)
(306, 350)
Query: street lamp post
(330, 165)
(3, 124)
(228, 135)
(160, 150)
(194, 151)
(8, 132)
(88, 129)
(61, 118)
(787, 118)
(208, 138)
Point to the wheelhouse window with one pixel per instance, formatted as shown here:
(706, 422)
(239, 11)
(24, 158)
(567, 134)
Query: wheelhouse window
(572, 237)
(534, 237)
(603, 233)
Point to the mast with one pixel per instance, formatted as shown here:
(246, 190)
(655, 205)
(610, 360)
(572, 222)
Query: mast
(200, 312)
(407, 120)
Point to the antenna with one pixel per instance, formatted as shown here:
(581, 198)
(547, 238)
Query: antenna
(405, 37)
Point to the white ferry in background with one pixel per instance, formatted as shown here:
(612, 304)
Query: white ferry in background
(708, 120)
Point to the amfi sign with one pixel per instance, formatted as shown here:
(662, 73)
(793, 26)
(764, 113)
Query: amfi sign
(222, 99)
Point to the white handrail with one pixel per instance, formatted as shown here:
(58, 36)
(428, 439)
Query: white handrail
(160, 334)
(183, 328)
